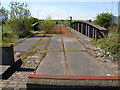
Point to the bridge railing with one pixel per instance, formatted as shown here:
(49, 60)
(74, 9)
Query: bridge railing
(89, 29)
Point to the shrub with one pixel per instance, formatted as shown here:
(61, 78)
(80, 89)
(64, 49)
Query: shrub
(48, 24)
(21, 27)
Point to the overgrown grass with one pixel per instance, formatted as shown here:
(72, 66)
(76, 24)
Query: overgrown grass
(48, 43)
(27, 53)
(10, 39)
(11, 36)
(31, 51)
(36, 44)
(109, 45)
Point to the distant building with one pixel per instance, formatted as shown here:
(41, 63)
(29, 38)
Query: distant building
(115, 19)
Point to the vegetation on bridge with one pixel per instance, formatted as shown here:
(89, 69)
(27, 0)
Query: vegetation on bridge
(20, 23)
(110, 45)
(47, 25)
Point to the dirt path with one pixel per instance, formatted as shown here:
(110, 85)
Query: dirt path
(63, 31)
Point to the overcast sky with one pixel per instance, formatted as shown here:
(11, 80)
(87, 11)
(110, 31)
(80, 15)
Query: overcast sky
(78, 9)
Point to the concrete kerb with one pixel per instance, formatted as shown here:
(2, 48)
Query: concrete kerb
(76, 81)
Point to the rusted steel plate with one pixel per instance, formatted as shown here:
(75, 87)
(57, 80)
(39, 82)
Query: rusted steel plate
(74, 77)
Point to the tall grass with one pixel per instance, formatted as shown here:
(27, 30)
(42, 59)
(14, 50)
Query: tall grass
(10, 38)
(110, 44)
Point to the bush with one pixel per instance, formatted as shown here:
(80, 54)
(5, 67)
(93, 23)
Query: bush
(47, 25)
(21, 27)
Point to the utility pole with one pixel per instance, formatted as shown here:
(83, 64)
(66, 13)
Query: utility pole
(112, 8)
(70, 19)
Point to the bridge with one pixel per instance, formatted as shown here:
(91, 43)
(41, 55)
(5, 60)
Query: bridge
(58, 60)
(89, 29)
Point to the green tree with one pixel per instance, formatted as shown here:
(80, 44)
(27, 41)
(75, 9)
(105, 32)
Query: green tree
(104, 19)
(19, 10)
(21, 27)
(19, 19)
(4, 11)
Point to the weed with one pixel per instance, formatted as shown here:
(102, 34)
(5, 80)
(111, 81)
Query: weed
(109, 45)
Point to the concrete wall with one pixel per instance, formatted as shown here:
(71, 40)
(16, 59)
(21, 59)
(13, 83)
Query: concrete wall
(7, 54)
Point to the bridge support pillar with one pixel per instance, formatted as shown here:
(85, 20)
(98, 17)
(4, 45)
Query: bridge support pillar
(84, 29)
(81, 28)
(78, 27)
(88, 31)
(93, 33)
(73, 26)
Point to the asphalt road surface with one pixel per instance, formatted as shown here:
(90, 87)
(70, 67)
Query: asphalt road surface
(70, 61)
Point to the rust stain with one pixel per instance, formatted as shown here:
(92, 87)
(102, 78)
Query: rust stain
(74, 77)
(63, 31)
